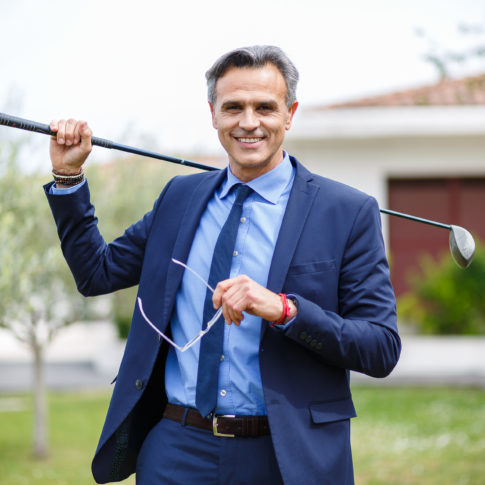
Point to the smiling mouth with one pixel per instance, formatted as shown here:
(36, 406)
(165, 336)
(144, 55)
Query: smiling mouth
(249, 140)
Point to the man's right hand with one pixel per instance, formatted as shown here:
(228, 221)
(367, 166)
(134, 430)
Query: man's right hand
(72, 145)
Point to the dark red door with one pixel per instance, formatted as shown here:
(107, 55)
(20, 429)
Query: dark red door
(459, 201)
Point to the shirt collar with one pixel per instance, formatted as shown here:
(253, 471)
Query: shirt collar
(269, 186)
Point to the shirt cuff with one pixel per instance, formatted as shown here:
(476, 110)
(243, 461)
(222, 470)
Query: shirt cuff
(69, 190)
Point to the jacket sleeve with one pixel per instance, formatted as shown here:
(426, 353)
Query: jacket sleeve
(97, 267)
(362, 334)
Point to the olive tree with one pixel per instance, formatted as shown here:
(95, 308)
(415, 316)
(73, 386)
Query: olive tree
(37, 295)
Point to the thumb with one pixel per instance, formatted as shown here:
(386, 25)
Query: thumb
(85, 134)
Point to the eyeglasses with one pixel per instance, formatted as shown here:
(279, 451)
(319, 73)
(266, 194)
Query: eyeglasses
(210, 323)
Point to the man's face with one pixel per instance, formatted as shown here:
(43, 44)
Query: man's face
(251, 116)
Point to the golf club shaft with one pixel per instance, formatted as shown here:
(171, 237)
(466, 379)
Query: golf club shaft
(415, 218)
(23, 124)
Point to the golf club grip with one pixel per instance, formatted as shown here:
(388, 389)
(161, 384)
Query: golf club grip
(23, 124)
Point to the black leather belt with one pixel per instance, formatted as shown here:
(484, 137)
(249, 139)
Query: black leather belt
(228, 426)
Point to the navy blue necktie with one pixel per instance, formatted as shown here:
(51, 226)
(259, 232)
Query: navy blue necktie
(211, 344)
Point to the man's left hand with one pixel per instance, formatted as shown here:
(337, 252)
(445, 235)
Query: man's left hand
(242, 294)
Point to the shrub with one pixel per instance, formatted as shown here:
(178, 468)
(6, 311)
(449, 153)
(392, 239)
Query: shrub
(446, 299)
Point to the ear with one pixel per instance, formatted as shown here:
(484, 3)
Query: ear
(291, 112)
(213, 114)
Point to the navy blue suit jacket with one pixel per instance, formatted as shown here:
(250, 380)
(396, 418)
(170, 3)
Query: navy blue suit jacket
(329, 252)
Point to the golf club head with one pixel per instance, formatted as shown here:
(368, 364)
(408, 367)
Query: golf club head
(462, 246)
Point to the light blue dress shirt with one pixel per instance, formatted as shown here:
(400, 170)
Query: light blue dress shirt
(68, 190)
(240, 389)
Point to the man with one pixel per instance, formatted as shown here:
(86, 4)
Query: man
(307, 288)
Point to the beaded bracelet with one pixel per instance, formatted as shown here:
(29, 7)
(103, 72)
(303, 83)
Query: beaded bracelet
(68, 179)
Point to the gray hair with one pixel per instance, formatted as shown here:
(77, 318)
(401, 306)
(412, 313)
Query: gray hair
(254, 56)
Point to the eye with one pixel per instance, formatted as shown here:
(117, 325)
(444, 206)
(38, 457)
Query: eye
(266, 108)
(231, 108)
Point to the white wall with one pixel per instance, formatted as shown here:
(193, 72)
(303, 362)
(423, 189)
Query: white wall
(436, 144)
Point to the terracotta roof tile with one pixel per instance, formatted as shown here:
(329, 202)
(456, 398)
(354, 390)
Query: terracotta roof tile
(450, 92)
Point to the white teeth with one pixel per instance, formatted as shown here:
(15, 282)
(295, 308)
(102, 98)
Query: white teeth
(249, 140)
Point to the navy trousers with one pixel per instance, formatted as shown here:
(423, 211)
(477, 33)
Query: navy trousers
(176, 454)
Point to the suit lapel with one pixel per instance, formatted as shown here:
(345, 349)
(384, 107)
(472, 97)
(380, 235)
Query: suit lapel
(190, 221)
(299, 204)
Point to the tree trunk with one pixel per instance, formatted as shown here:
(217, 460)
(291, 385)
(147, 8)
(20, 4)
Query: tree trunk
(40, 446)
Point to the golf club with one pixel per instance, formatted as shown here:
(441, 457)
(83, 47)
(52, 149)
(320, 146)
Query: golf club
(462, 244)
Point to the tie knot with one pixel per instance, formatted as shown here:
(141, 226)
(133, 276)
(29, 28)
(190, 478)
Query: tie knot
(242, 193)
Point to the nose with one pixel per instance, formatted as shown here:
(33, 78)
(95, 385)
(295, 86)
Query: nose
(249, 120)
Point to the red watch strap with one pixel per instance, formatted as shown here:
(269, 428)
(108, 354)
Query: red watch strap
(285, 313)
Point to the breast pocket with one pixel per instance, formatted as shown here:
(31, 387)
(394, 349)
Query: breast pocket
(312, 267)
(315, 281)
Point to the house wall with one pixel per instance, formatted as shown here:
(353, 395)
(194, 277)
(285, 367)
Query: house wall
(368, 163)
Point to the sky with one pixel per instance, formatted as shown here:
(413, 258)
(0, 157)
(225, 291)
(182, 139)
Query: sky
(135, 69)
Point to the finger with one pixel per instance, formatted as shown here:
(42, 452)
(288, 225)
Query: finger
(85, 133)
(237, 318)
(53, 125)
(61, 130)
(234, 303)
(231, 315)
(226, 298)
(234, 315)
(84, 130)
(69, 134)
(235, 310)
(217, 298)
(219, 291)
(226, 315)
(76, 136)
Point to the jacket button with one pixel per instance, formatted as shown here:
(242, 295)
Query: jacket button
(308, 339)
(303, 335)
(319, 346)
(139, 384)
(313, 343)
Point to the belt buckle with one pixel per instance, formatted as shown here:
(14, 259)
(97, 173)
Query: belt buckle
(214, 425)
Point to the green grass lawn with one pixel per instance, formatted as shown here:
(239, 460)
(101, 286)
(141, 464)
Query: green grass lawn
(402, 436)
(419, 436)
(75, 422)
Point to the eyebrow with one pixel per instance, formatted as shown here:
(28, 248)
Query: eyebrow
(230, 103)
(269, 103)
